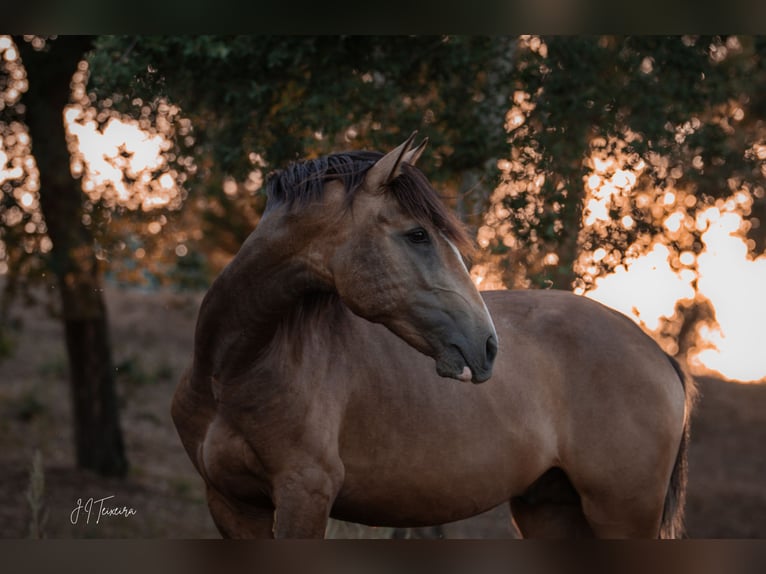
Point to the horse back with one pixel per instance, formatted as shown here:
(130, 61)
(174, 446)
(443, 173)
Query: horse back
(614, 398)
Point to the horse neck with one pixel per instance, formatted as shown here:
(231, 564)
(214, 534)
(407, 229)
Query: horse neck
(269, 278)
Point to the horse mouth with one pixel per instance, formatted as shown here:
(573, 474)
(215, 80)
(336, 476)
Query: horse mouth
(453, 364)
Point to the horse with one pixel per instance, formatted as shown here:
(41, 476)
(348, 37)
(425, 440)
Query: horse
(346, 366)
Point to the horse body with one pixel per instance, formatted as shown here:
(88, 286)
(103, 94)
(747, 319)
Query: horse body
(305, 400)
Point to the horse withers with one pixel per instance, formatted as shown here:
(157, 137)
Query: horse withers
(320, 385)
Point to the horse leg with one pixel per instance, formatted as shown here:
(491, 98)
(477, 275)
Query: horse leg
(538, 514)
(549, 520)
(625, 499)
(301, 506)
(235, 520)
(614, 516)
(303, 500)
(550, 508)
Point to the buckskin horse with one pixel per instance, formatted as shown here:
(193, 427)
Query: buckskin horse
(312, 390)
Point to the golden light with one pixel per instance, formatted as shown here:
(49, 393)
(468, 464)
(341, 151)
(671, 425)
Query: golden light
(647, 289)
(6, 173)
(166, 181)
(550, 259)
(673, 221)
(734, 282)
(687, 258)
(624, 179)
(230, 186)
(121, 163)
(669, 198)
(599, 254)
(10, 54)
(487, 277)
(27, 199)
(652, 280)
(18, 170)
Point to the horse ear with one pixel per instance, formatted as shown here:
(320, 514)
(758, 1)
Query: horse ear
(389, 166)
(412, 156)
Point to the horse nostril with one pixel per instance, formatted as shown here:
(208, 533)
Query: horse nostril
(491, 350)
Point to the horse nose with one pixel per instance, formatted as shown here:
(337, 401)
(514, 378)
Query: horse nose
(491, 349)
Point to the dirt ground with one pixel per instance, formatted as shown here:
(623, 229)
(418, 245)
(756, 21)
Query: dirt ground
(152, 338)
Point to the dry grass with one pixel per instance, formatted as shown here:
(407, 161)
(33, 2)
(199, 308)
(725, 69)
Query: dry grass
(152, 340)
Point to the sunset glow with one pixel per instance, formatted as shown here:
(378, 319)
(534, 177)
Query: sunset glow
(646, 287)
(121, 163)
(648, 282)
(734, 282)
(647, 290)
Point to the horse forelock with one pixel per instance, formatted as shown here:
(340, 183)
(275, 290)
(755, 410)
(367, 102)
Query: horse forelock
(304, 182)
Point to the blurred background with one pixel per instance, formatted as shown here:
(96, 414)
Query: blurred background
(627, 169)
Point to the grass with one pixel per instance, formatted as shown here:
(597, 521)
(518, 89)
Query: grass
(184, 488)
(36, 498)
(133, 371)
(54, 367)
(27, 406)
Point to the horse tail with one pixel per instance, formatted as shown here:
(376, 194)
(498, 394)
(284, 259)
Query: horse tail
(672, 525)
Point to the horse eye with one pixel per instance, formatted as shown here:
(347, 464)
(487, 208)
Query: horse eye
(418, 236)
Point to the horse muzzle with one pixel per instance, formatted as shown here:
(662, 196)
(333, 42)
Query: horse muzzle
(458, 361)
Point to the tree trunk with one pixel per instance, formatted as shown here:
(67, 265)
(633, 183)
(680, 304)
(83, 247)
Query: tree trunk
(98, 437)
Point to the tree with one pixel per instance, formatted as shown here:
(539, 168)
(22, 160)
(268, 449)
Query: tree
(259, 102)
(671, 105)
(660, 115)
(72, 260)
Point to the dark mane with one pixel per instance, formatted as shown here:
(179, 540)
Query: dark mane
(301, 183)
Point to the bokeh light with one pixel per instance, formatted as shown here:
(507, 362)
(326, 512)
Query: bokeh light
(651, 279)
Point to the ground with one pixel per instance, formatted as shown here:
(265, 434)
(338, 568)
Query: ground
(152, 339)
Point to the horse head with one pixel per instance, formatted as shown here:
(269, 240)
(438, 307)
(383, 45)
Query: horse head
(395, 262)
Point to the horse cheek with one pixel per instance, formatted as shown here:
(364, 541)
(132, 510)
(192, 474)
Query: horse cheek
(365, 285)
